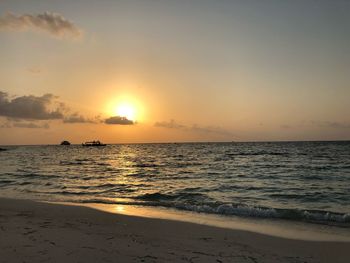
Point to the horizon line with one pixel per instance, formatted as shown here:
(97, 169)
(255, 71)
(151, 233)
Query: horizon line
(185, 142)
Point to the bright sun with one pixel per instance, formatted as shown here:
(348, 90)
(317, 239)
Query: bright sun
(126, 110)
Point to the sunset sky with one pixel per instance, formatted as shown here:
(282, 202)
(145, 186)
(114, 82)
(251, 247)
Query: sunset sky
(171, 71)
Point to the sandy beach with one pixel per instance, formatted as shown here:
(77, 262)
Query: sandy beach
(41, 232)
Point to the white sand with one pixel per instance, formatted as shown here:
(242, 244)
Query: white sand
(40, 232)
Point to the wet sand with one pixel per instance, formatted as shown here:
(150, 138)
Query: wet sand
(41, 232)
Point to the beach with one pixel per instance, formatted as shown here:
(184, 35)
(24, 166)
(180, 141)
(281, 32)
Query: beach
(42, 232)
(174, 131)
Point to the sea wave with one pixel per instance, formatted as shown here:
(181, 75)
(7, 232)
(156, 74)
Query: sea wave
(303, 181)
(170, 197)
(264, 212)
(256, 153)
(229, 209)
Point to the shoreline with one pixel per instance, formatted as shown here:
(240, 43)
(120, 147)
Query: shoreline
(290, 229)
(37, 231)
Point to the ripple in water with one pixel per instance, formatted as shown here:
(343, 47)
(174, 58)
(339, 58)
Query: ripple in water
(306, 181)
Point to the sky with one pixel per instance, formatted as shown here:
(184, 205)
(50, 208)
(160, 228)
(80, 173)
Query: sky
(174, 71)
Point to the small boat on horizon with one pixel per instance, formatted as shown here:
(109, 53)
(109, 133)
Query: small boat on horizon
(65, 143)
(93, 143)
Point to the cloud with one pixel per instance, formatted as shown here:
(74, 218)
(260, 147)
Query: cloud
(210, 129)
(31, 125)
(331, 124)
(47, 107)
(34, 70)
(21, 124)
(77, 118)
(285, 126)
(30, 107)
(118, 121)
(5, 125)
(172, 124)
(53, 24)
(34, 109)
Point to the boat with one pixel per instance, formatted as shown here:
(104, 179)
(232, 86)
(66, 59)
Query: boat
(93, 143)
(65, 143)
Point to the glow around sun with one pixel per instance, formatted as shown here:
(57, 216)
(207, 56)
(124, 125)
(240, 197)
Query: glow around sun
(126, 110)
(126, 106)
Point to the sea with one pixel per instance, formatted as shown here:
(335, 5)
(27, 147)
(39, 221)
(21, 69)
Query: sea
(294, 181)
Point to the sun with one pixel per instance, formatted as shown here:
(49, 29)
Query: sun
(126, 110)
(125, 106)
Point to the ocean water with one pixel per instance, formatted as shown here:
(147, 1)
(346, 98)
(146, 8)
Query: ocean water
(300, 181)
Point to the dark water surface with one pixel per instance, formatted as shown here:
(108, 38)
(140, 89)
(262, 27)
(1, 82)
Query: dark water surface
(303, 181)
